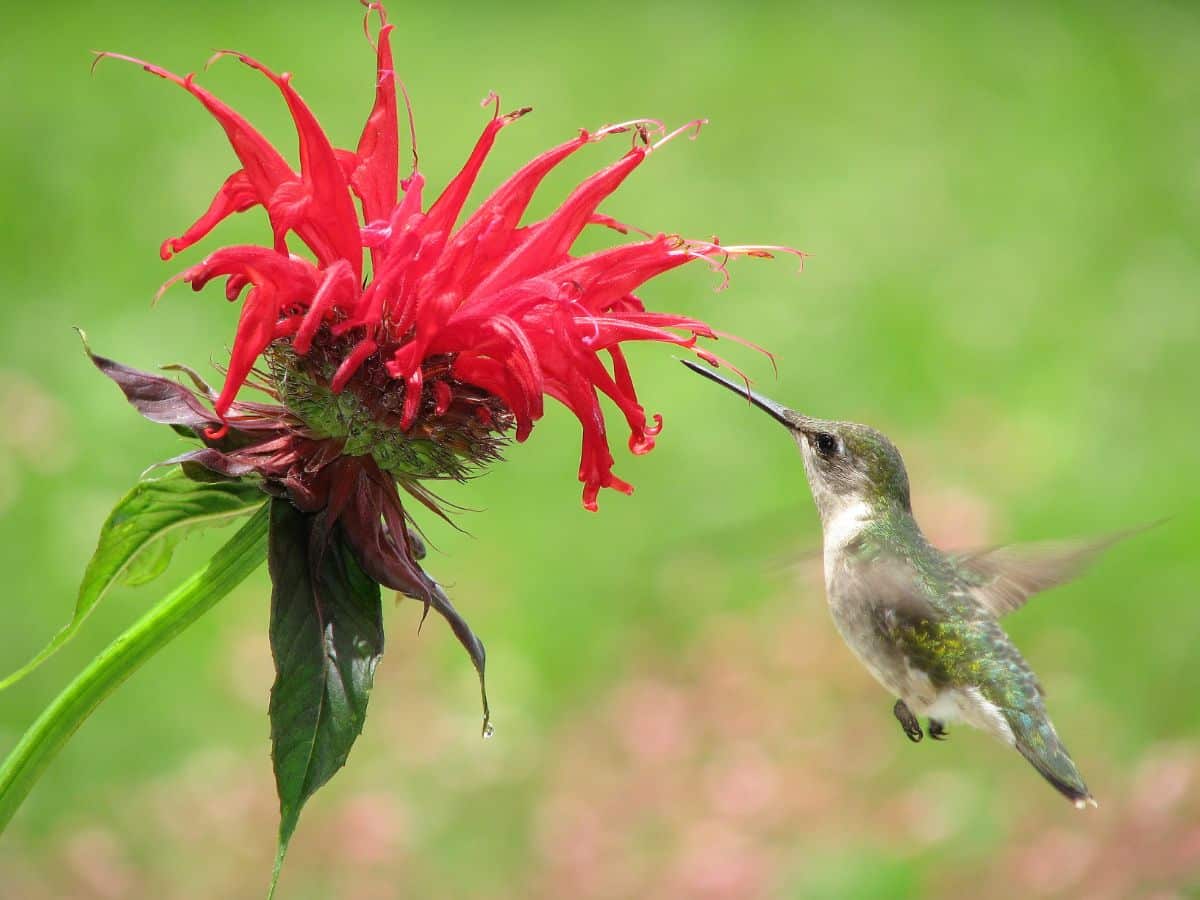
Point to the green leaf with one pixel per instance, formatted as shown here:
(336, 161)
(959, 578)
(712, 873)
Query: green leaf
(139, 536)
(326, 639)
(151, 562)
(229, 566)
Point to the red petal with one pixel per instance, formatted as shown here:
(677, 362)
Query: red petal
(331, 227)
(548, 241)
(256, 329)
(608, 275)
(442, 396)
(361, 352)
(293, 276)
(338, 289)
(375, 177)
(490, 232)
(445, 210)
(236, 195)
(265, 168)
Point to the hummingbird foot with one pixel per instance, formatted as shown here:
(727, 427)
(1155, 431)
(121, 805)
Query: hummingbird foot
(937, 730)
(909, 722)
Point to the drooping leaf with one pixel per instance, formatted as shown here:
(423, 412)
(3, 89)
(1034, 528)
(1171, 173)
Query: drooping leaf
(213, 460)
(139, 535)
(159, 399)
(394, 561)
(326, 639)
(470, 642)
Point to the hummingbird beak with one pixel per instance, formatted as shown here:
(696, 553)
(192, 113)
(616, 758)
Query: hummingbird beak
(777, 411)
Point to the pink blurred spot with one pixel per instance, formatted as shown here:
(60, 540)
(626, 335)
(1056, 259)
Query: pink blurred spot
(651, 721)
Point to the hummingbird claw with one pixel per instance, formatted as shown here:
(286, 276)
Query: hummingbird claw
(909, 722)
(937, 730)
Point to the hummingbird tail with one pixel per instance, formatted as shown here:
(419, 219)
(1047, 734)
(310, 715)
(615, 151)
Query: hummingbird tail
(1039, 743)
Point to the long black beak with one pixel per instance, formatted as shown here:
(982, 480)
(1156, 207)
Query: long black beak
(776, 411)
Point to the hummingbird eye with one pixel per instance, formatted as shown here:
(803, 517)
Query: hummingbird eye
(825, 443)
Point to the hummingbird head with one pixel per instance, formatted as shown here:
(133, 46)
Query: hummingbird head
(846, 464)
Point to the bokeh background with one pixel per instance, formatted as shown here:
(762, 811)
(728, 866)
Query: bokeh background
(1002, 203)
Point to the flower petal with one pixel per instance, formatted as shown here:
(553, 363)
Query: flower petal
(375, 176)
(546, 243)
(265, 168)
(236, 195)
(331, 225)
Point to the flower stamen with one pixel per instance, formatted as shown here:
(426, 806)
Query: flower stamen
(693, 126)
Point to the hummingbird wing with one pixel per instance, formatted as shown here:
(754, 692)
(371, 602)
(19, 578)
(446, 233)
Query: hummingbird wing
(1004, 578)
(919, 603)
(935, 622)
(889, 586)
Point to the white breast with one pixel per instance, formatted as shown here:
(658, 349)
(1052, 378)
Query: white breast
(843, 526)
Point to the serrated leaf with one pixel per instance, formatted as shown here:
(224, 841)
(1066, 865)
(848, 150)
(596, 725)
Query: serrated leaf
(137, 539)
(326, 640)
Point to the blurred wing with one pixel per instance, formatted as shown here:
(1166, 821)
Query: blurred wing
(934, 620)
(890, 587)
(1004, 578)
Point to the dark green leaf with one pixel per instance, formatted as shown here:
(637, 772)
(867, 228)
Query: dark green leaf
(326, 639)
(137, 539)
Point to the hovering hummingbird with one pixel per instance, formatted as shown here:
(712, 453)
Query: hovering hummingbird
(926, 623)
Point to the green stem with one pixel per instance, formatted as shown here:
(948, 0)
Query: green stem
(244, 552)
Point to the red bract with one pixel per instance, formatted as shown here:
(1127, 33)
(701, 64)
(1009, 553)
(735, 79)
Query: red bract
(488, 304)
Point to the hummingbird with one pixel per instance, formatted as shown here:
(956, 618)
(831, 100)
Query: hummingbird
(926, 623)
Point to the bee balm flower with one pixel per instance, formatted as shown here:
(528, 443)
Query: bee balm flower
(461, 328)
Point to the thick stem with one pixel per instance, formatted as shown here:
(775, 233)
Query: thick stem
(229, 566)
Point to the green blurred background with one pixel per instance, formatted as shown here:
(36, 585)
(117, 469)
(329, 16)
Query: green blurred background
(1002, 203)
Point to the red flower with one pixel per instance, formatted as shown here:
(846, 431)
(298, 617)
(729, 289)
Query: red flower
(473, 318)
